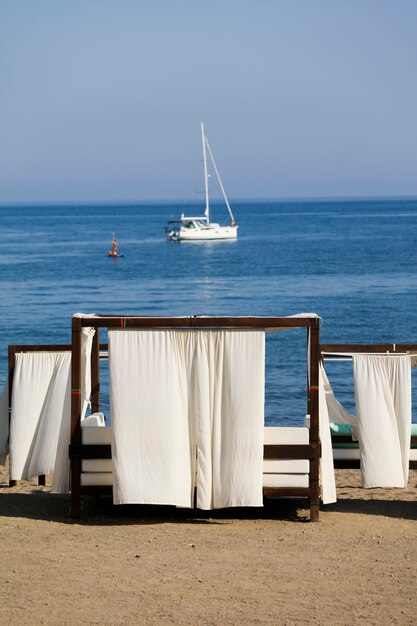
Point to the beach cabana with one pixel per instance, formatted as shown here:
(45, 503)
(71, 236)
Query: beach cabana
(172, 382)
(380, 439)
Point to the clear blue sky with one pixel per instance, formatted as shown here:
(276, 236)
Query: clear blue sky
(101, 100)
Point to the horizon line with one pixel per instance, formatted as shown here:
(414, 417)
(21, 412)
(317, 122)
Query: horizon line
(193, 202)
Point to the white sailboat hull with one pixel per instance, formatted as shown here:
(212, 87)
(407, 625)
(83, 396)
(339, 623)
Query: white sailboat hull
(200, 228)
(204, 233)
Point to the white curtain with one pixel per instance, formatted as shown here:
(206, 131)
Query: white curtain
(54, 416)
(4, 423)
(152, 439)
(184, 397)
(229, 382)
(327, 478)
(40, 386)
(61, 468)
(40, 424)
(337, 413)
(383, 407)
(87, 335)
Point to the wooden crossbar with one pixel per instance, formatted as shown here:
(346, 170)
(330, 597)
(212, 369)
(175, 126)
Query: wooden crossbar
(365, 348)
(266, 323)
(89, 451)
(277, 452)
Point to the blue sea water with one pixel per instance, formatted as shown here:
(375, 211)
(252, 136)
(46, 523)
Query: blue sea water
(352, 262)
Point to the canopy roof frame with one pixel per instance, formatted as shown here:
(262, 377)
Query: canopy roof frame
(268, 324)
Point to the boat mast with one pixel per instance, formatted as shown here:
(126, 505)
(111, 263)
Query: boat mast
(220, 180)
(203, 140)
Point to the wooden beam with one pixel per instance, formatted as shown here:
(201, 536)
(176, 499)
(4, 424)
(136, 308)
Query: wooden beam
(355, 464)
(334, 348)
(314, 424)
(89, 451)
(295, 492)
(42, 347)
(96, 490)
(289, 451)
(75, 509)
(270, 323)
(268, 492)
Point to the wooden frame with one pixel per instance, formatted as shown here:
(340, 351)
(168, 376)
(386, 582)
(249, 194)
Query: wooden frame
(78, 452)
(11, 357)
(339, 350)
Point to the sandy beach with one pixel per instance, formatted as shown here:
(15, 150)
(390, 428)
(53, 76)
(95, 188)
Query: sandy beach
(140, 565)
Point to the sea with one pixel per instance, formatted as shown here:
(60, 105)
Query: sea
(353, 262)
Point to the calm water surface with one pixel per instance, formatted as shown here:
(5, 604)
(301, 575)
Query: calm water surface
(352, 262)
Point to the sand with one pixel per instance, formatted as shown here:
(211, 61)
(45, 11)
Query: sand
(140, 565)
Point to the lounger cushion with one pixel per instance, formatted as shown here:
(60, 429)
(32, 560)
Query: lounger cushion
(287, 466)
(89, 479)
(96, 419)
(345, 454)
(285, 480)
(274, 435)
(341, 430)
(96, 435)
(92, 479)
(97, 465)
(345, 430)
(348, 454)
(269, 467)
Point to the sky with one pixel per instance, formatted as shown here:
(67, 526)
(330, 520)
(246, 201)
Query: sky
(101, 100)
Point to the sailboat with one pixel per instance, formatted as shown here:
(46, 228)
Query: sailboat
(200, 228)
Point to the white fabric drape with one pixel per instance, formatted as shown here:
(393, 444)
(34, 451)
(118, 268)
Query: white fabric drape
(337, 413)
(60, 477)
(327, 477)
(181, 396)
(383, 407)
(55, 409)
(39, 402)
(229, 381)
(40, 422)
(4, 423)
(87, 335)
(152, 444)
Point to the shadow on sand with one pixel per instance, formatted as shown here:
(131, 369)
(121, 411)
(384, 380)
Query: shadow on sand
(396, 509)
(100, 511)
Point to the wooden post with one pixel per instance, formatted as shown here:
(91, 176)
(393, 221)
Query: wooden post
(314, 420)
(11, 364)
(75, 509)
